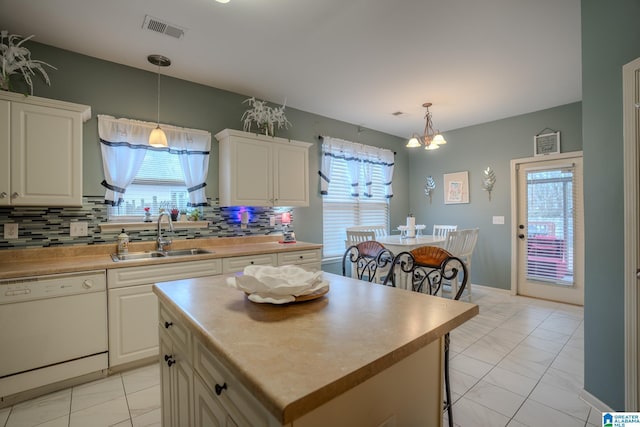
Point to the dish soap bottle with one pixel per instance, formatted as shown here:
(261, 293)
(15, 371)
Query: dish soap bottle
(123, 243)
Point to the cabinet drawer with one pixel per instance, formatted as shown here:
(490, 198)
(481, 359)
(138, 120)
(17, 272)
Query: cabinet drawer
(236, 264)
(300, 257)
(243, 408)
(177, 331)
(129, 276)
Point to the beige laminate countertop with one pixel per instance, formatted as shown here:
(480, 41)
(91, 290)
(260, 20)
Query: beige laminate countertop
(295, 357)
(40, 261)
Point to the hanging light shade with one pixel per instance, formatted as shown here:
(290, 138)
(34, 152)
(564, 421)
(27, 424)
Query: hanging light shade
(430, 138)
(158, 138)
(413, 141)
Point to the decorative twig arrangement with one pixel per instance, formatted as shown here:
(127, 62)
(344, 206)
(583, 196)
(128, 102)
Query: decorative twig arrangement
(266, 118)
(488, 180)
(429, 186)
(16, 59)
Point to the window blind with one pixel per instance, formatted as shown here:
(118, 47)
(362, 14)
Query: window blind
(159, 183)
(341, 210)
(551, 221)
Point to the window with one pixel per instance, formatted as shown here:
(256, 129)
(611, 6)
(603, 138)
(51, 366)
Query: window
(347, 199)
(139, 176)
(158, 184)
(551, 222)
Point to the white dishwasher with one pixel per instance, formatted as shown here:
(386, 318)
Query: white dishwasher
(52, 328)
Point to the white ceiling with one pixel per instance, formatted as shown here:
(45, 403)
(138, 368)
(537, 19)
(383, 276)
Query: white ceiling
(355, 60)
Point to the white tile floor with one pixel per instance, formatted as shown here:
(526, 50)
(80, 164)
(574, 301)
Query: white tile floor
(129, 399)
(518, 363)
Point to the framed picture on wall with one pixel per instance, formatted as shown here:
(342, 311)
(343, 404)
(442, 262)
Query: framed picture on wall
(456, 188)
(546, 143)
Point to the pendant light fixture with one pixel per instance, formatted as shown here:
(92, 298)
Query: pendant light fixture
(431, 139)
(158, 138)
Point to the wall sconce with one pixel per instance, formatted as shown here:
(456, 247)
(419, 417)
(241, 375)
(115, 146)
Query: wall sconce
(488, 180)
(158, 138)
(429, 186)
(432, 140)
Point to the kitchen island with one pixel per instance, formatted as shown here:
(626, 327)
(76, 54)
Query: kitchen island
(363, 354)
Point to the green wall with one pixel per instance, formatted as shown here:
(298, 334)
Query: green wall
(610, 39)
(473, 149)
(123, 91)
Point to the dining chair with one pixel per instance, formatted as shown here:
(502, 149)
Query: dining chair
(355, 237)
(368, 260)
(379, 230)
(427, 267)
(443, 230)
(462, 243)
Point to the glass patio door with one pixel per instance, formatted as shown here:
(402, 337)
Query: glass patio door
(550, 230)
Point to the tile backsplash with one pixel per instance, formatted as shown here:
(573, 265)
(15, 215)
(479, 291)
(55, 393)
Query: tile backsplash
(41, 227)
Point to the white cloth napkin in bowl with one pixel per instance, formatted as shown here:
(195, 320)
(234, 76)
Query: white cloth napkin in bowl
(277, 285)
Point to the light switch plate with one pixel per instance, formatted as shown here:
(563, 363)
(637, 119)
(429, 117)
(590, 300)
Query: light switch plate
(498, 220)
(272, 220)
(11, 231)
(78, 229)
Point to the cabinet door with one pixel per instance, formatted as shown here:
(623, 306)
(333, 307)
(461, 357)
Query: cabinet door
(165, 379)
(291, 175)
(249, 174)
(182, 390)
(176, 382)
(207, 410)
(133, 320)
(46, 156)
(5, 191)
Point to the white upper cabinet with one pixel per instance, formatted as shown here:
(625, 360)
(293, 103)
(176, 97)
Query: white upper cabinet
(257, 170)
(40, 151)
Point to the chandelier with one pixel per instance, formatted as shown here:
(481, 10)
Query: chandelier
(431, 139)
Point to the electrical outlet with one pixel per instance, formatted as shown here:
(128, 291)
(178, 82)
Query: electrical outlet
(272, 220)
(11, 231)
(78, 229)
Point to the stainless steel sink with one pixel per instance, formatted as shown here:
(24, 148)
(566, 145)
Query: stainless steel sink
(158, 254)
(183, 252)
(137, 255)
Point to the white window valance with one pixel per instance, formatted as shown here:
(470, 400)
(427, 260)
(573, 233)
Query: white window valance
(123, 143)
(358, 156)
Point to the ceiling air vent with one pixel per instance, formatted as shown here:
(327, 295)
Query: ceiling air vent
(398, 114)
(162, 27)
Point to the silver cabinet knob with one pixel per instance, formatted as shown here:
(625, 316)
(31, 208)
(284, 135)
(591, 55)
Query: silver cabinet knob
(3, 195)
(15, 195)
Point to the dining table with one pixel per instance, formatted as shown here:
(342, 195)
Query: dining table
(397, 243)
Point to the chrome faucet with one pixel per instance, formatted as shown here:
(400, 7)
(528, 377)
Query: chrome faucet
(162, 242)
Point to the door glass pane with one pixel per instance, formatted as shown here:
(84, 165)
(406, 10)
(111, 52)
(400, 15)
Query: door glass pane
(550, 225)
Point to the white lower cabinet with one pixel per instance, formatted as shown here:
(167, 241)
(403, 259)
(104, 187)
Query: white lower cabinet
(197, 390)
(309, 258)
(176, 382)
(133, 307)
(133, 320)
